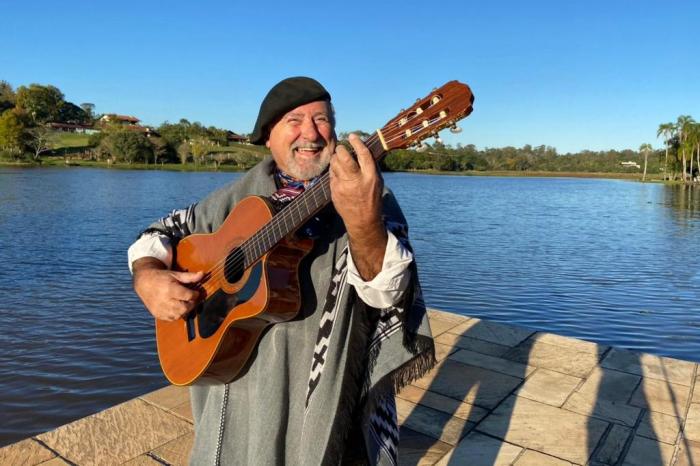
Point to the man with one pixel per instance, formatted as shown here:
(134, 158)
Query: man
(320, 389)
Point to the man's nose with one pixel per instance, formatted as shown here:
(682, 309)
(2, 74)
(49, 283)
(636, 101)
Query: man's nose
(309, 130)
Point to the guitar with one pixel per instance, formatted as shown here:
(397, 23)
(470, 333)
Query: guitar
(251, 261)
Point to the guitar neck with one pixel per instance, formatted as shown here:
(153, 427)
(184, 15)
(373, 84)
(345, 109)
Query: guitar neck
(298, 212)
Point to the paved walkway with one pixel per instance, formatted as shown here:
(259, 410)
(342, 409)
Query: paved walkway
(501, 395)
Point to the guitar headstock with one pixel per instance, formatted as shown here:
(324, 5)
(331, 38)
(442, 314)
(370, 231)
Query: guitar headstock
(440, 109)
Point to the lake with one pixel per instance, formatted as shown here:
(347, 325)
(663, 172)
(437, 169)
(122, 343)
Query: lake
(616, 262)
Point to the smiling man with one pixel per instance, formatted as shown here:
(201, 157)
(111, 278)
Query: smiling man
(320, 388)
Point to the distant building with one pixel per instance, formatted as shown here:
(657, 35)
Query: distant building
(233, 137)
(630, 164)
(72, 128)
(119, 119)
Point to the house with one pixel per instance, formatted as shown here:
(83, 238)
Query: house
(233, 137)
(119, 119)
(630, 164)
(72, 128)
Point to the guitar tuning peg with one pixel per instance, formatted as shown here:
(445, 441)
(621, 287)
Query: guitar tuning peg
(454, 129)
(420, 147)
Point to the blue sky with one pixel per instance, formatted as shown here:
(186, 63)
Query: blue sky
(574, 75)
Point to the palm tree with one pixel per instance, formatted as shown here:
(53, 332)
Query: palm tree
(684, 123)
(667, 131)
(645, 149)
(693, 142)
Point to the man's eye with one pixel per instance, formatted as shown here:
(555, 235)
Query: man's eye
(322, 119)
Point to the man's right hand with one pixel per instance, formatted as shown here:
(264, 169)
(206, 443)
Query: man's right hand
(164, 292)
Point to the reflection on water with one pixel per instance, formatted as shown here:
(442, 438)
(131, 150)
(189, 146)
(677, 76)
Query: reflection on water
(611, 261)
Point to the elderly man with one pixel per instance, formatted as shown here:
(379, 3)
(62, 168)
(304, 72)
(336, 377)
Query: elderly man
(320, 388)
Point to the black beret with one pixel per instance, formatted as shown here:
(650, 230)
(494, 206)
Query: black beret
(283, 97)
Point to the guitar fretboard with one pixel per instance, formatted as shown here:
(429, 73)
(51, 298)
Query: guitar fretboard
(297, 212)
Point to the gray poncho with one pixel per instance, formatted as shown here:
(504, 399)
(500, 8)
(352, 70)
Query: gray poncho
(320, 388)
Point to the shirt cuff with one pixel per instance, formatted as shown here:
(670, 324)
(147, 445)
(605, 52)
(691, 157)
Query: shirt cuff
(387, 287)
(151, 245)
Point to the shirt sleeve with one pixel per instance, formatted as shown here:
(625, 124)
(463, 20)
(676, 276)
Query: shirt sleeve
(151, 245)
(388, 286)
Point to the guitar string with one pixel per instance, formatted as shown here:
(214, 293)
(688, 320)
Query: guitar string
(238, 256)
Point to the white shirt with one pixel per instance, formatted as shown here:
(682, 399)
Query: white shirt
(382, 291)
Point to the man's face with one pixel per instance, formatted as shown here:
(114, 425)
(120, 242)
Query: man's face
(303, 140)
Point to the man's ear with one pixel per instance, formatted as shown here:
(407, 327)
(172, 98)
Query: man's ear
(267, 143)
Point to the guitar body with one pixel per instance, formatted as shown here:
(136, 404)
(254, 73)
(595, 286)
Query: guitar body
(213, 343)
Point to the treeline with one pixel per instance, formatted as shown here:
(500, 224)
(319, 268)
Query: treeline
(28, 115)
(682, 153)
(527, 158)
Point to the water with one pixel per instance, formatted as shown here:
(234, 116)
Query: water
(610, 261)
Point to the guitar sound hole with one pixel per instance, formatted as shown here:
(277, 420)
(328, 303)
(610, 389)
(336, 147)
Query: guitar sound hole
(233, 268)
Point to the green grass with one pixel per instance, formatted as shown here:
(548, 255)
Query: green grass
(64, 139)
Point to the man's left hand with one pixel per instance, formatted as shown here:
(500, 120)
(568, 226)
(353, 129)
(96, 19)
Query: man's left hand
(356, 191)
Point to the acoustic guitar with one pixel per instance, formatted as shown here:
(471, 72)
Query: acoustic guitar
(251, 261)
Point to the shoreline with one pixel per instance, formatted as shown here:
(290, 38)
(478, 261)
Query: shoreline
(506, 394)
(190, 167)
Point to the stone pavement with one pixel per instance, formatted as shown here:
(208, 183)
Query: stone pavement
(500, 395)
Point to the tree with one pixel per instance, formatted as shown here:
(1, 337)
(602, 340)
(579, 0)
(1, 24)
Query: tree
(693, 142)
(42, 103)
(70, 113)
(40, 139)
(683, 124)
(11, 133)
(183, 150)
(199, 147)
(127, 146)
(89, 110)
(7, 96)
(667, 131)
(645, 149)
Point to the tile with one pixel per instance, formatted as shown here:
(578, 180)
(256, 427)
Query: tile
(442, 403)
(420, 450)
(184, 411)
(688, 454)
(25, 452)
(432, 422)
(662, 397)
(535, 458)
(572, 343)
(441, 321)
(600, 408)
(116, 435)
(696, 390)
(646, 452)
(661, 427)
(469, 384)
(492, 363)
(613, 445)
(480, 346)
(545, 386)
(604, 395)
(537, 426)
(650, 366)
(609, 385)
(480, 450)
(692, 423)
(57, 461)
(176, 452)
(443, 351)
(168, 397)
(142, 460)
(557, 358)
(502, 334)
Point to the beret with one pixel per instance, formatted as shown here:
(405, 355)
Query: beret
(283, 97)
